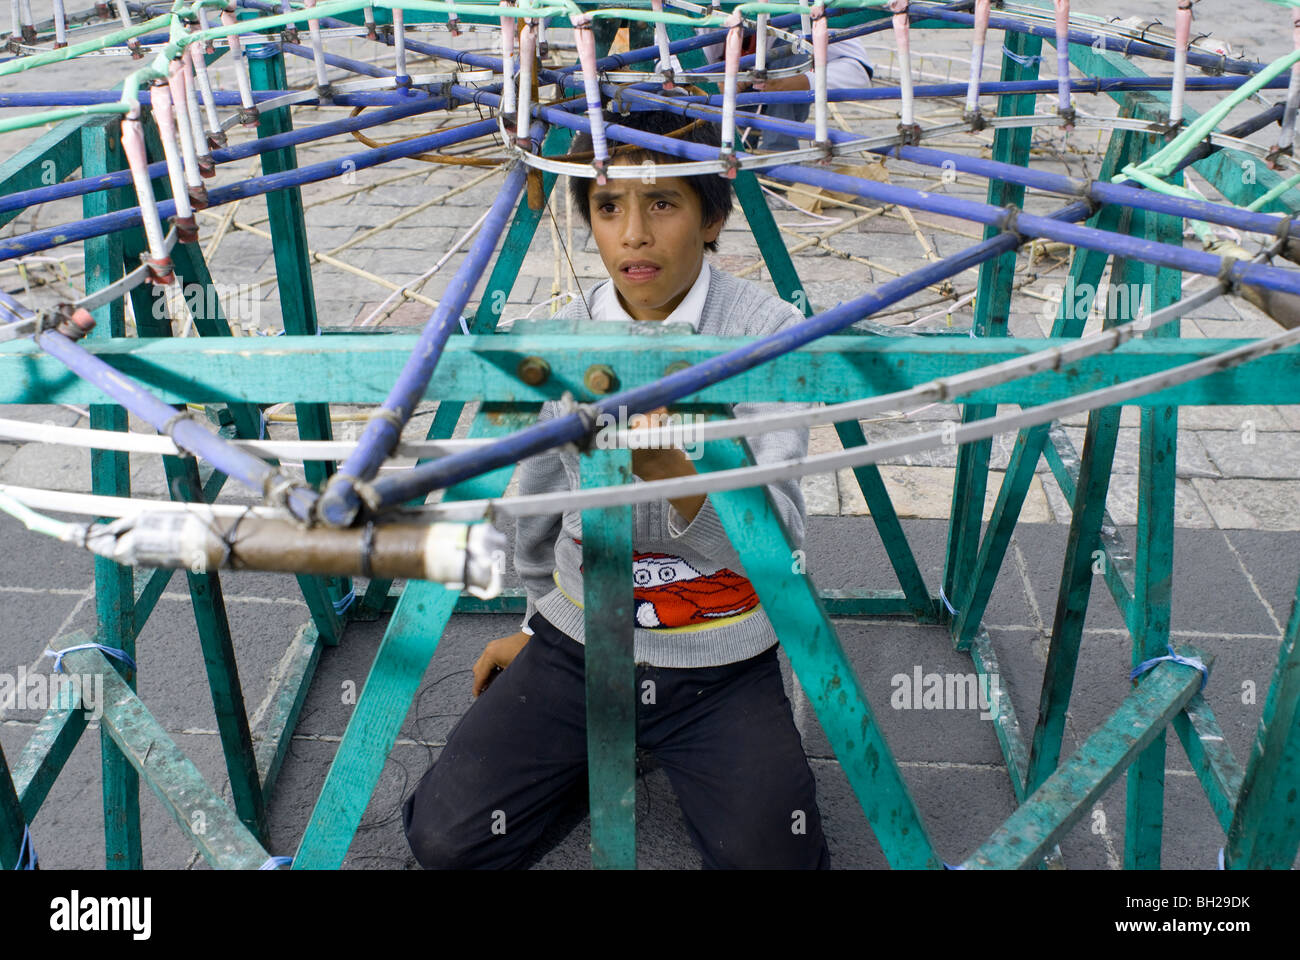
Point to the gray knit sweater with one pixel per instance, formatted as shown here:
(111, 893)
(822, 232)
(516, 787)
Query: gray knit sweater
(694, 606)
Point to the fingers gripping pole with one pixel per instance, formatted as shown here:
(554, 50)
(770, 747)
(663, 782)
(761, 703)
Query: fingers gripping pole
(661, 39)
(159, 262)
(902, 24)
(732, 52)
(981, 28)
(1063, 62)
(821, 39)
(164, 115)
(586, 42)
(527, 58)
(507, 64)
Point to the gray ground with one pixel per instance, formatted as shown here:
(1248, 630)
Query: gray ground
(1238, 505)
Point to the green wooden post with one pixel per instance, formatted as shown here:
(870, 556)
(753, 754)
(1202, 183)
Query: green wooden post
(110, 473)
(12, 821)
(1153, 580)
(47, 160)
(46, 752)
(1265, 829)
(409, 643)
(297, 308)
(1085, 273)
(607, 615)
(992, 304)
(790, 601)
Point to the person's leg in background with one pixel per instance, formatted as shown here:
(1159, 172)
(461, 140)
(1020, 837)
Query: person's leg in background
(726, 738)
(771, 140)
(508, 764)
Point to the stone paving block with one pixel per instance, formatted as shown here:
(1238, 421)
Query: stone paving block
(49, 467)
(1191, 455)
(1189, 510)
(1248, 453)
(1248, 504)
(1273, 578)
(1230, 417)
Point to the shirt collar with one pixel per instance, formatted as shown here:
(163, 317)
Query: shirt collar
(605, 304)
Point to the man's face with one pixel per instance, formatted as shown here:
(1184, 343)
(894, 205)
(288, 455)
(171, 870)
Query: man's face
(651, 237)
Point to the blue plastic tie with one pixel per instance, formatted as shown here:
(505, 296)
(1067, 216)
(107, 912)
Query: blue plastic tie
(341, 605)
(113, 652)
(1020, 58)
(951, 608)
(952, 866)
(1146, 665)
(275, 863)
(1221, 866)
(27, 852)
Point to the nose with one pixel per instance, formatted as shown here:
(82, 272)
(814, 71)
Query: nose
(636, 227)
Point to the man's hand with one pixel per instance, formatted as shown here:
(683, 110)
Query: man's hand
(497, 655)
(662, 463)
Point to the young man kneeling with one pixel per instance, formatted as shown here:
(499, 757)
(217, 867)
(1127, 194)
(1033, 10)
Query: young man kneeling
(719, 724)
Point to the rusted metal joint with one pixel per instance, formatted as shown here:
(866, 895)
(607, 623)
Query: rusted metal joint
(910, 134)
(72, 321)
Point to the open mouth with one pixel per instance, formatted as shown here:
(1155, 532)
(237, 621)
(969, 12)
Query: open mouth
(640, 272)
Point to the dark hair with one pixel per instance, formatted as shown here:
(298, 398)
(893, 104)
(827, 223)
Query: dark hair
(713, 190)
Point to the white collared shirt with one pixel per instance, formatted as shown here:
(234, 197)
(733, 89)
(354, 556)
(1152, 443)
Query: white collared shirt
(605, 304)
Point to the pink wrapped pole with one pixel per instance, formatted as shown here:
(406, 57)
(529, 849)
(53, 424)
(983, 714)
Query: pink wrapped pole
(189, 156)
(1182, 38)
(399, 47)
(981, 29)
(165, 116)
(729, 85)
(213, 135)
(318, 48)
(508, 64)
(821, 41)
(1063, 62)
(248, 113)
(193, 114)
(159, 263)
(586, 42)
(902, 24)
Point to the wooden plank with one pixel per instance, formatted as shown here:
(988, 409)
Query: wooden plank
(44, 755)
(610, 674)
(1049, 813)
(45, 161)
(286, 705)
(12, 821)
(1210, 756)
(809, 639)
(403, 656)
(358, 369)
(197, 809)
(1265, 829)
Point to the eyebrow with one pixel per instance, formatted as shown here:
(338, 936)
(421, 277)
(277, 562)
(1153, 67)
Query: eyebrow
(601, 197)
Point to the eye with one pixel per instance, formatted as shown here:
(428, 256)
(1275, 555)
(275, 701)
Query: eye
(662, 205)
(606, 208)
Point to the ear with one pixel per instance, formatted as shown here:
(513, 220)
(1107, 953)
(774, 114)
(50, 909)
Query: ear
(712, 229)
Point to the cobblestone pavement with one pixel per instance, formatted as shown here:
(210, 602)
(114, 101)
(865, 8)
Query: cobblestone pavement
(380, 230)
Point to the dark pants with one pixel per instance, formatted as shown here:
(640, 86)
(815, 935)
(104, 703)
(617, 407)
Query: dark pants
(771, 139)
(724, 736)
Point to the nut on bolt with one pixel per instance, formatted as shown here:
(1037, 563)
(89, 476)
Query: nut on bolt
(600, 378)
(533, 371)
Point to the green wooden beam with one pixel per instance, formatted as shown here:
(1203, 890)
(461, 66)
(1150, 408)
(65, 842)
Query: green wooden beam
(790, 601)
(299, 666)
(1210, 756)
(12, 820)
(197, 809)
(46, 161)
(347, 369)
(608, 620)
(45, 753)
(409, 643)
(1049, 813)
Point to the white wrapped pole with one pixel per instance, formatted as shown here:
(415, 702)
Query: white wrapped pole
(123, 14)
(902, 26)
(1182, 38)
(189, 156)
(507, 63)
(60, 25)
(527, 56)
(586, 42)
(729, 90)
(318, 48)
(1286, 138)
(15, 21)
(805, 21)
(981, 29)
(760, 51)
(29, 23)
(543, 48)
(453, 21)
(399, 46)
(193, 114)
(1063, 62)
(248, 115)
(165, 116)
(159, 262)
(289, 31)
(661, 39)
(821, 40)
(213, 133)
(369, 15)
